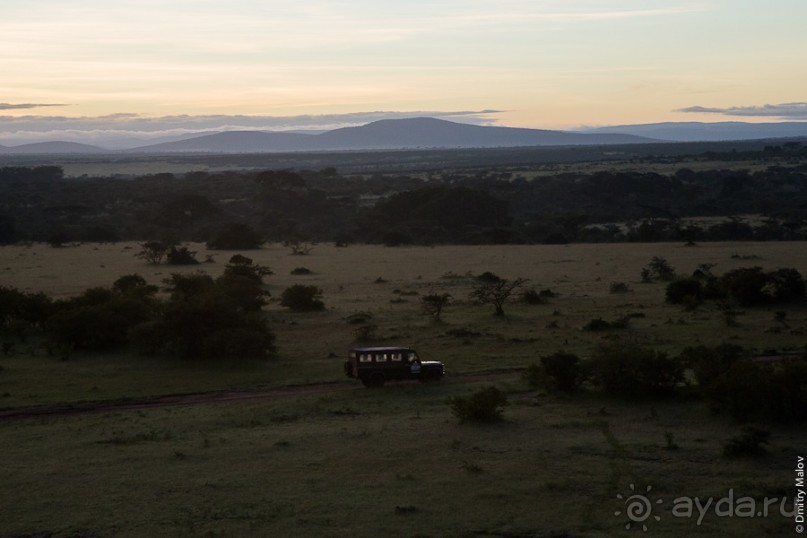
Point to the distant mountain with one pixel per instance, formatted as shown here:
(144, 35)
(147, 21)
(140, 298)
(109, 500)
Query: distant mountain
(389, 134)
(434, 133)
(231, 142)
(708, 132)
(419, 133)
(59, 148)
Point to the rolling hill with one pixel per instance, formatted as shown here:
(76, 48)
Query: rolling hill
(53, 148)
(708, 132)
(422, 133)
(388, 134)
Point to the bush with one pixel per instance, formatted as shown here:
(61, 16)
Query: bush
(708, 364)
(745, 285)
(153, 252)
(658, 269)
(238, 342)
(209, 325)
(302, 298)
(485, 405)
(17, 306)
(247, 293)
(564, 369)
(535, 376)
(433, 304)
(299, 248)
(747, 444)
(751, 286)
(133, 284)
(98, 326)
(366, 333)
(531, 296)
(488, 277)
(618, 287)
(634, 372)
(301, 271)
(180, 256)
(242, 266)
(684, 291)
(773, 391)
(188, 286)
(357, 318)
(784, 286)
(600, 324)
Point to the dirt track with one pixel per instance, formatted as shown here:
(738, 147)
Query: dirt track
(173, 400)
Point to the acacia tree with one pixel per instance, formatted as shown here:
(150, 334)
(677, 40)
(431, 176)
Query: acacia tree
(153, 251)
(496, 292)
(434, 303)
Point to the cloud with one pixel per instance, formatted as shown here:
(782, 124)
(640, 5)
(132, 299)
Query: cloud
(19, 106)
(784, 110)
(118, 130)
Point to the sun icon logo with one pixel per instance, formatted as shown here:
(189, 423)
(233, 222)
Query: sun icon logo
(638, 507)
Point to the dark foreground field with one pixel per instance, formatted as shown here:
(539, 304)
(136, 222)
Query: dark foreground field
(394, 461)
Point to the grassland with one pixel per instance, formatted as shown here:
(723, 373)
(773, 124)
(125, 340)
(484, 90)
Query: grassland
(359, 462)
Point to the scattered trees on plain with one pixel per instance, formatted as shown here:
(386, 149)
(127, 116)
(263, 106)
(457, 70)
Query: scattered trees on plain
(495, 291)
(433, 304)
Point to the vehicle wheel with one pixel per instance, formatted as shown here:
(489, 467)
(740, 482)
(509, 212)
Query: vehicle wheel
(374, 380)
(428, 377)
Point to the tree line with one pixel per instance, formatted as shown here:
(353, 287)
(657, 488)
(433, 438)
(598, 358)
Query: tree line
(239, 210)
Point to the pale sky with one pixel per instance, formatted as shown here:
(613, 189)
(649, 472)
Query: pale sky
(535, 63)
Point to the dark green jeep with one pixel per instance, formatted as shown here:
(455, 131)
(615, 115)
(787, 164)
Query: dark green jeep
(375, 365)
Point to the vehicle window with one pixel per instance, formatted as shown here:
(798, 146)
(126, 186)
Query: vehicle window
(396, 356)
(365, 357)
(381, 357)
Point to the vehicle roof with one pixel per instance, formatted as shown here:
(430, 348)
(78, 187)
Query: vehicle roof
(381, 348)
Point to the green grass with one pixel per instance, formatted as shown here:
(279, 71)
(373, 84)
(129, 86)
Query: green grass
(392, 461)
(366, 463)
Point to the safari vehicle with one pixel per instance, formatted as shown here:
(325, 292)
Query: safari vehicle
(375, 365)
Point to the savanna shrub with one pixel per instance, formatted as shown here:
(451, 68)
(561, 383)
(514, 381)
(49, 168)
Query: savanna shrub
(684, 291)
(134, 284)
(484, 405)
(751, 286)
(618, 287)
(302, 298)
(745, 285)
(600, 324)
(564, 369)
(17, 306)
(535, 376)
(98, 326)
(658, 269)
(181, 256)
(531, 296)
(597, 324)
(747, 444)
(634, 372)
(784, 286)
(210, 325)
(709, 363)
(239, 342)
(775, 391)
